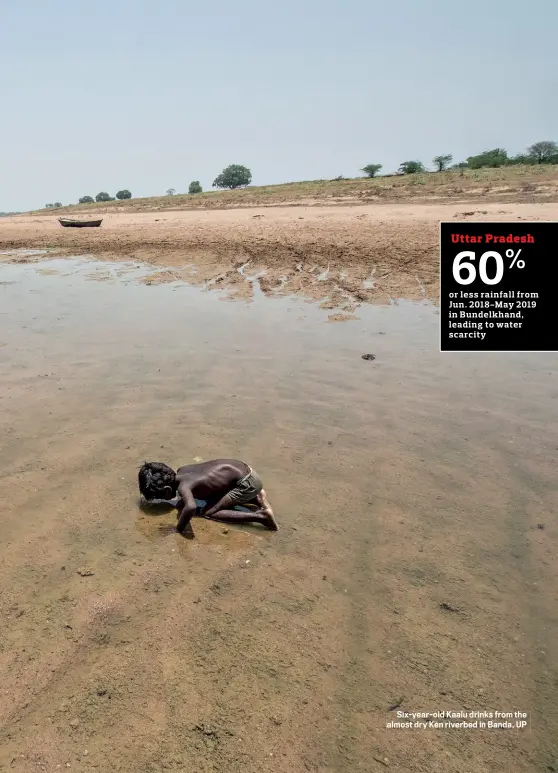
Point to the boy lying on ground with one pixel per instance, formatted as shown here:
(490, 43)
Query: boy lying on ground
(221, 483)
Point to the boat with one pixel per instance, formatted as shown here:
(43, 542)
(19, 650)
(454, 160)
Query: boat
(67, 223)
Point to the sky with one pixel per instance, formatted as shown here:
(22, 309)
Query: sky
(111, 94)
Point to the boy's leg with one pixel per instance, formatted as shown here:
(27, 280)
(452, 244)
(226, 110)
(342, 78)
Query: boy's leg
(237, 516)
(223, 511)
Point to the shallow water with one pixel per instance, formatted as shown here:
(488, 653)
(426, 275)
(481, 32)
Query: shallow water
(404, 479)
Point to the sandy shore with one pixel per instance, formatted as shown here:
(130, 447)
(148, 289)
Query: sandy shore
(342, 255)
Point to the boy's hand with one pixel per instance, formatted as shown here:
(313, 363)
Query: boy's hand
(187, 532)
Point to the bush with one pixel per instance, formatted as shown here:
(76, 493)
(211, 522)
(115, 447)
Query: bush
(103, 196)
(195, 187)
(442, 162)
(86, 200)
(411, 167)
(521, 158)
(121, 195)
(491, 158)
(371, 170)
(234, 176)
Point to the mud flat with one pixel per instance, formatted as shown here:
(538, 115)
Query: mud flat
(343, 256)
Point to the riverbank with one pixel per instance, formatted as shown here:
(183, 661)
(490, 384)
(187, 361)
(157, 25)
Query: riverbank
(343, 256)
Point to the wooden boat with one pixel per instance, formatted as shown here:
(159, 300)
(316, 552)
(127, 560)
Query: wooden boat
(64, 221)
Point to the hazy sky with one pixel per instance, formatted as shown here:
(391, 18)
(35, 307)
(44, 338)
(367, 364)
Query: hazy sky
(147, 95)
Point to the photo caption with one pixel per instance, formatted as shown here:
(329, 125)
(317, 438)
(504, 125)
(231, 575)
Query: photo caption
(444, 719)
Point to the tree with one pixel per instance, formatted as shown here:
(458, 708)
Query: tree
(411, 167)
(86, 200)
(103, 196)
(234, 176)
(542, 152)
(49, 206)
(121, 195)
(371, 170)
(442, 162)
(170, 191)
(491, 158)
(195, 187)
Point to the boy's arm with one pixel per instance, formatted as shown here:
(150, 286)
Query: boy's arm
(186, 508)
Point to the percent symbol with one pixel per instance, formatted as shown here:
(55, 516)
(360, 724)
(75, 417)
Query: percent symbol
(514, 257)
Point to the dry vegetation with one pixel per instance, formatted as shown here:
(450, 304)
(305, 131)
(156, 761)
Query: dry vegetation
(517, 183)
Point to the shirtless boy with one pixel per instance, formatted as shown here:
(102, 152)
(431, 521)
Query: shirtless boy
(221, 483)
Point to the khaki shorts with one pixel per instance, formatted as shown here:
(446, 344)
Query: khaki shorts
(246, 489)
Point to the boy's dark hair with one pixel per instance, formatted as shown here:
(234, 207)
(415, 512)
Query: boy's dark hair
(154, 478)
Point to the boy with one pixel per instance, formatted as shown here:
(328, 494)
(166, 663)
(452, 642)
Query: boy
(221, 483)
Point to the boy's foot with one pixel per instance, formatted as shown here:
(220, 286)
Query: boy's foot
(267, 512)
(270, 520)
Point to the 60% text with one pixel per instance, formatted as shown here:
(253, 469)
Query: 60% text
(464, 272)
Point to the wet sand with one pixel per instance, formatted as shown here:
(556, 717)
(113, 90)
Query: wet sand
(409, 565)
(342, 256)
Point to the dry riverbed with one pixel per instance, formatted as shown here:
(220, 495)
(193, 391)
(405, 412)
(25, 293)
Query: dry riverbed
(414, 569)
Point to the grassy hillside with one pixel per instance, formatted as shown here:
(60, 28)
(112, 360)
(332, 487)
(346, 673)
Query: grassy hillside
(526, 183)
